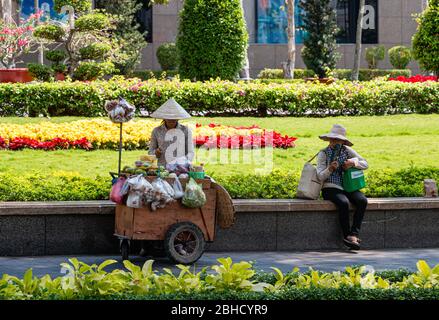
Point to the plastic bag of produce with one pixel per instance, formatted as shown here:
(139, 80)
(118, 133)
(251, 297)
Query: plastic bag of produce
(135, 199)
(178, 189)
(194, 196)
(116, 194)
(162, 194)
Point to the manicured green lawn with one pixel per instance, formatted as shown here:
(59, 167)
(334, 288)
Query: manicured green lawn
(386, 142)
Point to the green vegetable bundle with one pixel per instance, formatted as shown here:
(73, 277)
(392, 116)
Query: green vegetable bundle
(194, 197)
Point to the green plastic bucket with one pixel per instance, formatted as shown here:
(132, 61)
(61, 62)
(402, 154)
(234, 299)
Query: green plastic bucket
(196, 175)
(353, 180)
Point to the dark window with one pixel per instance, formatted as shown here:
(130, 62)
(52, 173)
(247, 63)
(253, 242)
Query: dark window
(143, 17)
(347, 16)
(271, 21)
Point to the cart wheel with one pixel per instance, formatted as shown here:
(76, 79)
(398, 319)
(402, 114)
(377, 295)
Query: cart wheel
(184, 243)
(125, 249)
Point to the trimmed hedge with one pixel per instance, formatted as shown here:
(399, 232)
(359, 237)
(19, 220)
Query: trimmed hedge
(276, 185)
(222, 97)
(344, 74)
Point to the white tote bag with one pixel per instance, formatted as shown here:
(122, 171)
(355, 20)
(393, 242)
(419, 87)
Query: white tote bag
(309, 185)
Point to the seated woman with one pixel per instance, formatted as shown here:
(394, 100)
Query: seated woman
(171, 140)
(331, 162)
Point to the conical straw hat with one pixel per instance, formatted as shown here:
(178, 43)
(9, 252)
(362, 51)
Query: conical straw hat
(170, 110)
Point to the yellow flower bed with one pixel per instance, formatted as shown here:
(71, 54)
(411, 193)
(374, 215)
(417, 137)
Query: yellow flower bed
(103, 133)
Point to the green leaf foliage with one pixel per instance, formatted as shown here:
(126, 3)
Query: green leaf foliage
(426, 39)
(400, 56)
(212, 39)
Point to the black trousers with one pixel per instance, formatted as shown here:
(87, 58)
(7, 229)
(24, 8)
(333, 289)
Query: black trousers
(341, 199)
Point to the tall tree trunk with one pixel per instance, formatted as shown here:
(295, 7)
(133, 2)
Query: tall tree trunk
(290, 64)
(41, 48)
(245, 71)
(7, 10)
(357, 56)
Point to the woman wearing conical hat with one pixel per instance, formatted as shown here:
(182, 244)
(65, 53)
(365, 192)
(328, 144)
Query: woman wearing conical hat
(171, 140)
(332, 161)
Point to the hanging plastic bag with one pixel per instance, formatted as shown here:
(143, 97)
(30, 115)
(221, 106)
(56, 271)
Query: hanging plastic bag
(178, 189)
(194, 196)
(135, 199)
(116, 194)
(161, 195)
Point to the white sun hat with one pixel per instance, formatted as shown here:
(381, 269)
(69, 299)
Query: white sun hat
(337, 132)
(170, 110)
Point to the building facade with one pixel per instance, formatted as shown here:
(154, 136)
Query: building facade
(388, 23)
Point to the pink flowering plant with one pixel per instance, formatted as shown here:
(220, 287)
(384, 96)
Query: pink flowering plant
(16, 40)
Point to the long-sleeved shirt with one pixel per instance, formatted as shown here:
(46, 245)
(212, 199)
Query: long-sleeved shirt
(173, 143)
(323, 172)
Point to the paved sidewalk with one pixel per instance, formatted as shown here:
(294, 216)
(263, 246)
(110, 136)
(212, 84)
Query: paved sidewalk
(322, 260)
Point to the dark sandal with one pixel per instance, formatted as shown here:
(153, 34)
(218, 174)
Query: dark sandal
(351, 244)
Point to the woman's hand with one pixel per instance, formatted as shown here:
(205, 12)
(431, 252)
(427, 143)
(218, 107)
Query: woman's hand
(158, 152)
(348, 164)
(333, 166)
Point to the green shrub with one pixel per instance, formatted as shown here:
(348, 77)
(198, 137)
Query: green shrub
(222, 97)
(40, 72)
(365, 74)
(276, 185)
(95, 51)
(80, 6)
(375, 55)
(88, 71)
(426, 39)
(167, 56)
(92, 22)
(222, 281)
(150, 74)
(212, 39)
(59, 68)
(49, 32)
(319, 52)
(400, 57)
(56, 56)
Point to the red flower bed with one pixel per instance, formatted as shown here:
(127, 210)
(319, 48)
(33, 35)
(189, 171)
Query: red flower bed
(414, 79)
(2, 143)
(55, 144)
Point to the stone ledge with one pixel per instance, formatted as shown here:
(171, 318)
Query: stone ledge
(242, 205)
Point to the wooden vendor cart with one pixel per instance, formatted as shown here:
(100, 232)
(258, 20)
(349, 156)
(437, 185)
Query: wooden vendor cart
(184, 230)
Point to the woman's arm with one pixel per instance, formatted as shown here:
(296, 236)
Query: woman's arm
(359, 161)
(323, 171)
(189, 145)
(153, 145)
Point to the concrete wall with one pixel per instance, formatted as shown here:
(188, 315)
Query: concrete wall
(395, 22)
(87, 227)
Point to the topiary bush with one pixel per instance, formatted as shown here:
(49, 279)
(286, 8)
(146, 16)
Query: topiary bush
(400, 57)
(426, 39)
(56, 56)
(40, 72)
(320, 45)
(95, 51)
(212, 39)
(167, 56)
(88, 71)
(375, 55)
(80, 6)
(92, 22)
(50, 32)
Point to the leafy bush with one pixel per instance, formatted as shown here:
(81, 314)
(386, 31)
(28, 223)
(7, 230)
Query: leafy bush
(95, 51)
(320, 46)
(426, 40)
(167, 56)
(222, 97)
(276, 185)
(40, 72)
(55, 56)
(212, 39)
(225, 280)
(279, 74)
(88, 71)
(150, 74)
(92, 22)
(365, 74)
(375, 55)
(50, 32)
(80, 6)
(400, 57)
